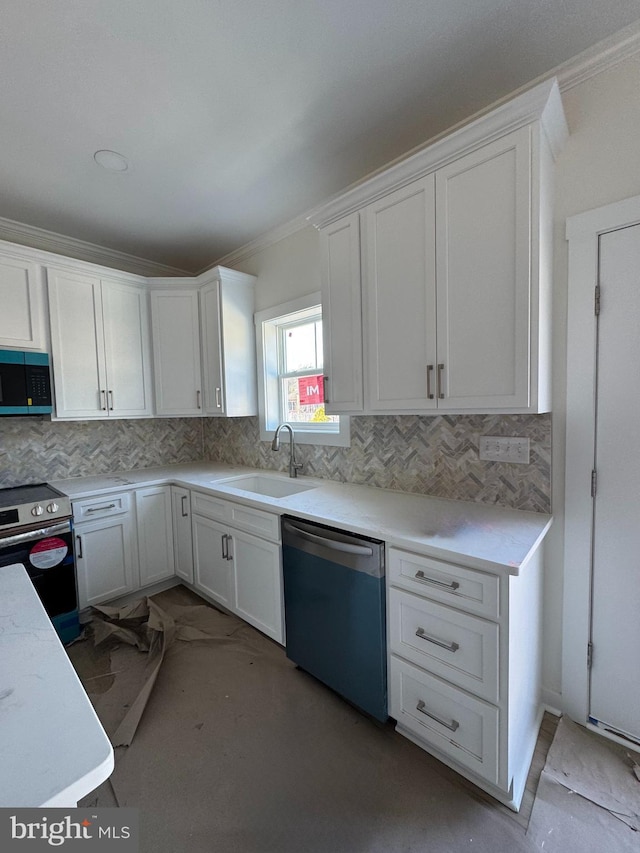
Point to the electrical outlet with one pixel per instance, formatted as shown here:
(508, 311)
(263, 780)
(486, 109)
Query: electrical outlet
(498, 448)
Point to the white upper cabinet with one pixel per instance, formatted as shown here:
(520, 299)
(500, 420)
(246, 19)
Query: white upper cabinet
(176, 351)
(484, 276)
(341, 311)
(204, 344)
(100, 346)
(228, 343)
(400, 298)
(456, 270)
(21, 309)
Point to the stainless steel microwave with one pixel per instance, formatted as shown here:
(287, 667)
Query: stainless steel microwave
(25, 383)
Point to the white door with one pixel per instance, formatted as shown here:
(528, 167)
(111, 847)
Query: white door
(20, 305)
(615, 628)
(127, 349)
(258, 585)
(182, 536)
(176, 352)
(77, 345)
(214, 391)
(105, 559)
(483, 204)
(400, 298)
(155, 534)
(213, 570)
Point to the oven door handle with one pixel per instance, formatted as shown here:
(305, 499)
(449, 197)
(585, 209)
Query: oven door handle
(40, 533)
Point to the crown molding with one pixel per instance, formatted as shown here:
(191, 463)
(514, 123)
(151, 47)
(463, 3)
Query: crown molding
(600, 57)
(265, 240)
(70, 247)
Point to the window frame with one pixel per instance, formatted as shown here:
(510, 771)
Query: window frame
(268, 324)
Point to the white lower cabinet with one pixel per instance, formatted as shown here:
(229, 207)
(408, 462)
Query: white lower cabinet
(106, 558)
(235, 567)
(155, 534)
(464, 666)
(182, 535)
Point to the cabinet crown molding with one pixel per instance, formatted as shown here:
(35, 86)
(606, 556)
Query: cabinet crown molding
(541, 104)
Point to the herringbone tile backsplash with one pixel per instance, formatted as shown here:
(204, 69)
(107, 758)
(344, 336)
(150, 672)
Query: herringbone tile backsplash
(411, 453)
(426, 455)
(34, 450)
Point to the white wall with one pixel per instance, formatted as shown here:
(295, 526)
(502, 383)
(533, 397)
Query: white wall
(600, 164)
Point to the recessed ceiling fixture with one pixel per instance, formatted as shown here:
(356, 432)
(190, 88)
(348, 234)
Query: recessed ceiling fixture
(111, 160)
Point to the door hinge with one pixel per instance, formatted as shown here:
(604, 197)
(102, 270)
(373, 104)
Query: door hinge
(594, 483)
(596, 302)
(589, 655)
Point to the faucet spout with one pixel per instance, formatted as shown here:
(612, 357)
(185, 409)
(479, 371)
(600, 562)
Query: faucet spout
(294, 466)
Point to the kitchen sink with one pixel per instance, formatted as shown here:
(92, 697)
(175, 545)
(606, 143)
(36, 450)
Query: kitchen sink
(263, 484)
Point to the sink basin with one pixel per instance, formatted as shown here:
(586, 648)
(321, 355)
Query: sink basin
(263, 484)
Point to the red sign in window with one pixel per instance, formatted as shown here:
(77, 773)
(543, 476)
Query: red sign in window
(311, 390)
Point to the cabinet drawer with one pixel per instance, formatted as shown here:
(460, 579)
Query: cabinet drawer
(466, 589)
(264, 524)
(458, 725)
(101, 506)
(209, 507)
(456, 646)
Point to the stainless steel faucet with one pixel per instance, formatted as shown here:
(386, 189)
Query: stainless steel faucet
(294, 466)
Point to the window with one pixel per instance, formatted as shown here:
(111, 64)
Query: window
(291, 383)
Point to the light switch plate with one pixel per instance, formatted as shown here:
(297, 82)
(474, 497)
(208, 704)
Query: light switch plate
(498, 448)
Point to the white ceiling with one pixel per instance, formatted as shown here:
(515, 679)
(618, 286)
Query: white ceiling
(238, 115)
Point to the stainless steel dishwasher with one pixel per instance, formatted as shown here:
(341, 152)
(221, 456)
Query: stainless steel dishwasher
(334, 600)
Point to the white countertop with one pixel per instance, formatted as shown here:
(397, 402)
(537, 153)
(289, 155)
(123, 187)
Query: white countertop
(487, 537)
(53, 749)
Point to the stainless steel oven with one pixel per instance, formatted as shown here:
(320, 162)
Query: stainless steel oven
(36, 532)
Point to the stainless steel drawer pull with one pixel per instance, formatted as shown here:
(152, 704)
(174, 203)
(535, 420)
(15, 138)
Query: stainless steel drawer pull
(101, 508)
(184, 512)
(450, 647)
(111, 399)
(453, 726)
(198, 399)
(225, 552)
(79, 541)
(429, 391)
(422, 577)
(218, 399)
(103, 398)
(325, 382)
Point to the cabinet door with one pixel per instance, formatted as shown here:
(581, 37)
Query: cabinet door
(258, 584)
(21, 304)
(155, 534)
(214, 389)
(127, 350)
(342, 315)
(176, 352)
(400, 299)
(213, 572)
(105, 559)
(483, 272)
(182, 537)
(77, 345)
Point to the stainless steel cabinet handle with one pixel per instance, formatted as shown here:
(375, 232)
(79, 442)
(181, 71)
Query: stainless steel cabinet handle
(103, 395)
(79, 541)
(429, 391)
(422, 577)
(225, 553)
(198, 399)
(100, 508)
(229, 549)
(450, 647)
(325, 382)
(453, 726)
(184, 513)
(111, 399)
(440, 391)
(218, 398)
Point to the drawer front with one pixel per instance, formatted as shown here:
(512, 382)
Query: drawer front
(209, 507)
(467, 589)
(101, 506)
(460, 726)
(264, 524)
(461, 648)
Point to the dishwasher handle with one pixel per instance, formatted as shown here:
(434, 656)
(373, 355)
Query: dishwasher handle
(331, 544)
